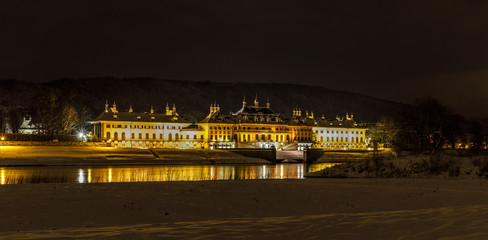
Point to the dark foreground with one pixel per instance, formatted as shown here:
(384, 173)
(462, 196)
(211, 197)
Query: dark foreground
(253, 209)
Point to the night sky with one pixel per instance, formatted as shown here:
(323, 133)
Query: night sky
(395, 50)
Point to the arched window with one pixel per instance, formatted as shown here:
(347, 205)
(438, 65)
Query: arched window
(170, 137)
(123, 135)
(108, 135)
(176, 137)
(321, 138)
(116, 136)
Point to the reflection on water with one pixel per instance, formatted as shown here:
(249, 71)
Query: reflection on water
(20, 175)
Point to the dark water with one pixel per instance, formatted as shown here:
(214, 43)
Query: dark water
(24, 175)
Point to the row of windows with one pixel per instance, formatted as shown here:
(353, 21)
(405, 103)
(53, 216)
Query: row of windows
(142, 126)
(277, 138)
(248, 128)
(220, 128)
(154, 135)
(220, 137)
(342, 139)
(220, 132)
(342, 132)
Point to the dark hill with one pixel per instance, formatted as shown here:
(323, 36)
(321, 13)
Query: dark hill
(194, 98)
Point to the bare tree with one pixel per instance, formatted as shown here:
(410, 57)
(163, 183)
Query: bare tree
(48, 112)
(84, 116)
(15, 118)
(455, 130)
(386, 131)
(3, 120)
(429, 120)
(477, 136)
(69, 119)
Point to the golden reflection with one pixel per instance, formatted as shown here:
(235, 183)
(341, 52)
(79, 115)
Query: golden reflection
(89, 175)
(81, 176)
(17, 175)
(2, 175)
(109, 175)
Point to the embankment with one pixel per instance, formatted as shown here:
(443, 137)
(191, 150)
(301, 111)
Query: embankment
(103, 156)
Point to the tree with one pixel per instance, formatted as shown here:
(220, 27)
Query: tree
(455, 130)
(429, 120)
(84, 116)
(15, 118)
(477, 136)
(3, 120)
(386, 131)
(69, 119)
(48, 112)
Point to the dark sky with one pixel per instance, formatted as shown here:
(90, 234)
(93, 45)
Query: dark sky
(396, 50)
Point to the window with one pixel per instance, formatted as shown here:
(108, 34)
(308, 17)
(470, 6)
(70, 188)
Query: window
(140, 135)
(108, 126)
(170, 137)
(116, 136)
(147, 135)
(194, 136)
(123, 135)
(176, 137)
(201, 137)
(132, 136)
(160, 136)
(108, 135)
(154, 135)
(187, 136)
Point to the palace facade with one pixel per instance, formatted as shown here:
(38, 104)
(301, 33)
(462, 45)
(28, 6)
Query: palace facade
(252, 126)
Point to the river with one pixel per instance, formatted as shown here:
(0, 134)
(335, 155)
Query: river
(26, 175)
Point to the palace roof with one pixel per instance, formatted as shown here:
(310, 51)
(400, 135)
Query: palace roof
(110, 115)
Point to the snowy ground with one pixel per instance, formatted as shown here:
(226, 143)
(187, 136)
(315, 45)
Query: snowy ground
(253, 209)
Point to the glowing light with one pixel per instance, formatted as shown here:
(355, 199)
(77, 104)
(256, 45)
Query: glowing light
(2, 138)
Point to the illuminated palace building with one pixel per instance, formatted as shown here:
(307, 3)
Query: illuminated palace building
(252, 126)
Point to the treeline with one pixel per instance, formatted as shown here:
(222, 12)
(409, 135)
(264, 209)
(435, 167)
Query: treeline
(429, 127)
(52, 114)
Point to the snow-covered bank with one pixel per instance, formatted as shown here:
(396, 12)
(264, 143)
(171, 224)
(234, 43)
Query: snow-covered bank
(419, 166)
(285, 209)
(83, 156)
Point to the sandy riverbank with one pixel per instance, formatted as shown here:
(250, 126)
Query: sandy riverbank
(253, 209)
(98, 156)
